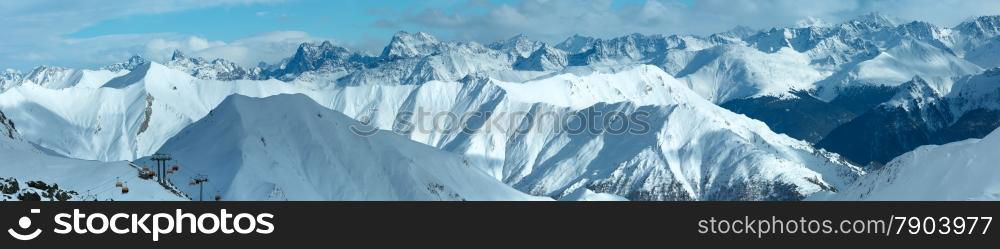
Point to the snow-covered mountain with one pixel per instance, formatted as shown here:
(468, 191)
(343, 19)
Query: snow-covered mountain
(519, 45)
(56, 78)
(958, 171)
(903, 123)
(677, 158)
(131, 64)
(544, 59)
(288, 147)
(30, 174)
(9, 78)
(155, 102)
(889, 84)
(825, 60)
(920, 115)
(123, 118)
(218, 69)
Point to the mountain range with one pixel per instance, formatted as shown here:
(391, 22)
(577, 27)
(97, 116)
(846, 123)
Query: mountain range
(786, 113)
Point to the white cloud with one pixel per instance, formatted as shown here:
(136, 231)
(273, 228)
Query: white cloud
(268, 47)
(34, 30)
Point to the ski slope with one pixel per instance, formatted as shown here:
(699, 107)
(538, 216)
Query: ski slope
(90, 180)
(959, 171)
(288, 147)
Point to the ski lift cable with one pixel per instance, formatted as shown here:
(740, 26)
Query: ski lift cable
(102, 185)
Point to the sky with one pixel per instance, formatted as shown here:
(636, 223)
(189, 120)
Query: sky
(94, 33)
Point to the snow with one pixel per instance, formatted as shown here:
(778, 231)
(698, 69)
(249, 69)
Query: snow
(693, 150)
(731, 72)
(90, 179)
(106, 123)
(986, 55)
(288, 147)
(404, 45)
(519, 45)
(583, 194)
(548, 162)
(134, 115)
(976, 91)
(958, 171)
(60, 78)
(914, 95)
(576, 44)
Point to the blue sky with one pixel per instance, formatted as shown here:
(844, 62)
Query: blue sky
(92, 33)
(344, 20)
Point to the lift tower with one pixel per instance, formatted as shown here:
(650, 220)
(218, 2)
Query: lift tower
(161, 166)
(200, 180)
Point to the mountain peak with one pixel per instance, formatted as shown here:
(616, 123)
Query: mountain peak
(474, 78)
(982, 26)
(543, 59)
(576, 43)
(516, 39)
(916, 92)
(405, 45)
(128, 65)
(246, 127)
(215, 69)
(918, 84)
(312, 49)
(177, 55)
(9, 73)
(403, 35)
(311, 56)
(877, 18)
(870, 22)
(520, 45)
(8, 78)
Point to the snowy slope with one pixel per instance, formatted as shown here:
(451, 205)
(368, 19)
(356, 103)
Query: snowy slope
(976, 91)
(900, 64)
(583, 194)
(129, 110)
(288, 147)
(919, 114)
(136, 113)
(58, 77)
(677, 158)
(89, 180)
(730, 72)
(986, 55)
(9, 78)
(126, 118)
(963, 170)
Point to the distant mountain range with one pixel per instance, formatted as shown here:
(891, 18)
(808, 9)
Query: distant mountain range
(823, 105)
